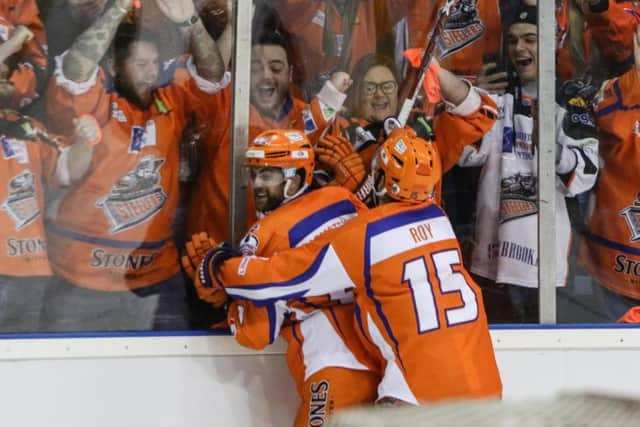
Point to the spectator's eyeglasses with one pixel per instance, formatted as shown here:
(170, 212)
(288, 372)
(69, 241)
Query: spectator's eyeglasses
(370, 88)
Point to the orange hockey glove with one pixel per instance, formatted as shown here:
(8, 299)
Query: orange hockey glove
(253, 327)
(331, 148)
(196, 248)
(208, 286)
(347, 165)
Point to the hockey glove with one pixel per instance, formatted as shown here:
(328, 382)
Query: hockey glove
(208, 286)
(347, 165)
(196, 248)
(253, 327)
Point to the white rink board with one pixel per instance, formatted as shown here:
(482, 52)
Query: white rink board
(159, 382)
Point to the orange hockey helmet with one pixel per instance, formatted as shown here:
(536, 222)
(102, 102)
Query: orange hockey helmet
(406, 167)
(282, 148)
(287, 149)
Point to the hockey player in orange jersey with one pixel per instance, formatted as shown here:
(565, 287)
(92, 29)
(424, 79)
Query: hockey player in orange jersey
(610, 249)
(112, 239)
(272, 107)
(332, 370)
(417, 308)
(23, 60)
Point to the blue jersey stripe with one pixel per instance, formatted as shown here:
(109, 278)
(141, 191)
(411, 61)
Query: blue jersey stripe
(271, 310)
(618, 105)
(120, 244)
(371, 294)
(403, 218)
(301, 230)
(378, 227)
(282, 295)
(611, 244)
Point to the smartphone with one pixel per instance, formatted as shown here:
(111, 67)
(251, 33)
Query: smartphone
(501, 66)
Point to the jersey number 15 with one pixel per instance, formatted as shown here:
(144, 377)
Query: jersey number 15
(416, 275)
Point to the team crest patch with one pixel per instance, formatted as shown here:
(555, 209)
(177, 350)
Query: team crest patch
(518, 197)
(142, 137)
(136, 197)
(400, 147)
(249, 244)
(14, 149)
(462, 28)
(21, 203)
(117, 113)
(632, 215)
(308, 121)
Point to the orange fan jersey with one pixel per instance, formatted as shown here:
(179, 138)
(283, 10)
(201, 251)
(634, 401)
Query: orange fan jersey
(113, 229)
(473, 30)
(613, 29)
(610, 250)
(27, 166)
(31, 61)
(319, 331)
(417, 308)
(318, 30)
(208, 206)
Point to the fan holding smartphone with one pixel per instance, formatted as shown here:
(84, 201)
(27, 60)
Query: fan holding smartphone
(494, 76)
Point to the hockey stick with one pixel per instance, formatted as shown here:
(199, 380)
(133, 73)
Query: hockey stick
(413, 81)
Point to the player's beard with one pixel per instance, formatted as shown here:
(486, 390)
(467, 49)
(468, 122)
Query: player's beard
(267, 199)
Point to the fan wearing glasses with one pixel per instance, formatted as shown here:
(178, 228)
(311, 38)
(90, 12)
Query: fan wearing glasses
(373, 97)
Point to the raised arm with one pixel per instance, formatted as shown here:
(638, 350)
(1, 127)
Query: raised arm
(225, 41)
(89, 48)
(206, 55)
(452, 88)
